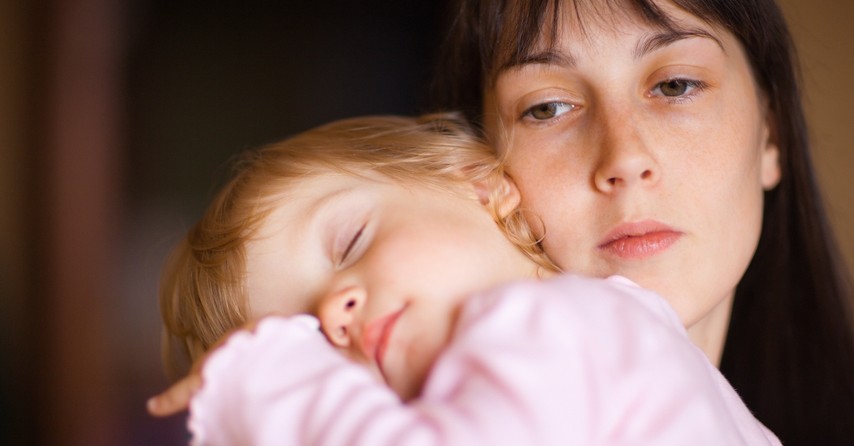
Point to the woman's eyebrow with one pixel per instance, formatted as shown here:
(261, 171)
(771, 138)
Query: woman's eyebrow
(657, 41)
(548, 57)
(645, 45)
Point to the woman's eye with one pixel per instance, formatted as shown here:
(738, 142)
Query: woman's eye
(547, 110)
(675, 88)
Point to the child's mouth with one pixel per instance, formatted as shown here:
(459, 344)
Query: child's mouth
(377, 335)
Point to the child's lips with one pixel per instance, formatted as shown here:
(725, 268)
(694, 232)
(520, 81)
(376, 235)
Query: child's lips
(375, 338)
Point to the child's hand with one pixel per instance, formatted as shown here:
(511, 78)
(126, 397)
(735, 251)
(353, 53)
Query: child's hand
(177, 397)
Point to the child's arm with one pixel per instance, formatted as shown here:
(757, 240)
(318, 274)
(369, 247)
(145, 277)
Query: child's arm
(568, 361)
(281, 384)
(177, 397)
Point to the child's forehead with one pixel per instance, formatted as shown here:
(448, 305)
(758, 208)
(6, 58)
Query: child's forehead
(314, 187)
(325, 190)
(291, 203)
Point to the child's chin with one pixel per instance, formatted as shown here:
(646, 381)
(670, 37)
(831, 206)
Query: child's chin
(406, 390)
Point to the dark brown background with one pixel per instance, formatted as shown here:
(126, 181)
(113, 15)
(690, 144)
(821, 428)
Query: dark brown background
(116, 121)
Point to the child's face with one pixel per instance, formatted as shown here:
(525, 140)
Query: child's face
(385, 266)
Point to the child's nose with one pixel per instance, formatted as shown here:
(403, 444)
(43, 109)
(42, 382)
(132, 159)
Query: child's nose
(339, 313)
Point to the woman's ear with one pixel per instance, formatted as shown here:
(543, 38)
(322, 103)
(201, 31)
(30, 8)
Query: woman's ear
(505, 193)
(770, 156)
(770, 168)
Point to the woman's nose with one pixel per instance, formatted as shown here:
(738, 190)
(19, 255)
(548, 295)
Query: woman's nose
(339, 313)
(625, 159)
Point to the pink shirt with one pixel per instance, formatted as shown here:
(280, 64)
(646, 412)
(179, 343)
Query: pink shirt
(565, 361)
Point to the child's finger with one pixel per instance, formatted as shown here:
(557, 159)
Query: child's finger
(176, 398)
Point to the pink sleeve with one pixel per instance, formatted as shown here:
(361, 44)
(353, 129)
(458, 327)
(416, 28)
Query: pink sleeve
(285, 385)
(565, 361)
(589, 362)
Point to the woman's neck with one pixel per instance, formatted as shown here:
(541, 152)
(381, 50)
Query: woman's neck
(710, 333)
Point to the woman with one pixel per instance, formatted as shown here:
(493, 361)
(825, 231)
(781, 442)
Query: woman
(665, 141)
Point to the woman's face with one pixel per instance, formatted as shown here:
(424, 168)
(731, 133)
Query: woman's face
(643, 153)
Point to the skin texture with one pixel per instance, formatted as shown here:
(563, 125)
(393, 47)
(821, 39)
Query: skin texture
(383, 265)
(642, 155)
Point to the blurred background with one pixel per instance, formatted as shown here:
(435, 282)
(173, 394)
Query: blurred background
(117, 121)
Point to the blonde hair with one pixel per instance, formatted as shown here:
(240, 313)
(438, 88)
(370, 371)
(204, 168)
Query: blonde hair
(202, 288)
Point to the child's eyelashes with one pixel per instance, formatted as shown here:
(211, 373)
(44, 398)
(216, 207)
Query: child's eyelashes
(353, 243)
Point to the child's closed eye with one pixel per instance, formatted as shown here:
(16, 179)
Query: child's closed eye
(349, 253)
(350, 246)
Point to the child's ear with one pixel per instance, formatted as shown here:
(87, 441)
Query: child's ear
(507, 196)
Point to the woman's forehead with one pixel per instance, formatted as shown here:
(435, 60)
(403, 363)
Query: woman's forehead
(581, 23)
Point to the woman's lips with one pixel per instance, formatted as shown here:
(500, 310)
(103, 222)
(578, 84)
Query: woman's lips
(377, 335)
(639, 240)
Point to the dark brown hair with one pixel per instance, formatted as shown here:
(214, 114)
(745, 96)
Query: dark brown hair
(789, 351)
